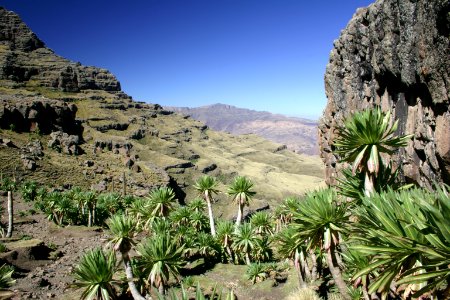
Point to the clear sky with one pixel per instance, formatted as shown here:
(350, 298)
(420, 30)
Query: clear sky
(259, 54)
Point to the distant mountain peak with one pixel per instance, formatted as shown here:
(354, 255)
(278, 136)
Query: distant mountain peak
(299, 135)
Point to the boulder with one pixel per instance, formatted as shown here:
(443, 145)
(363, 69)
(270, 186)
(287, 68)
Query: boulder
(65, 143)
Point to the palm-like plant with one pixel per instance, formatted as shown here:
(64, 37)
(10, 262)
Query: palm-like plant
(9, 186)
(160, 257)
(352, 185)
(95, 273)
(60, 205)
(283, 213)
(160, 226)
(111, 202)
(90, 201)
(407, 235)
(262, 223)
(207, 187)
(198, 221)
(161, 200)
(262, 251)
(76, 195)
(354, 262)
(180, 217)
(123, 229)
(6, 280)
(319, 221)
(363, 137)
(242, 193)
(245, 241)
(140, 210)
(196, 204)
(291, 246)
(206, 246)
(256, 272)
(29, 191)
(225, 236)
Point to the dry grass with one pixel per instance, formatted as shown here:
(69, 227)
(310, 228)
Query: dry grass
(276, 175)
(303, 294)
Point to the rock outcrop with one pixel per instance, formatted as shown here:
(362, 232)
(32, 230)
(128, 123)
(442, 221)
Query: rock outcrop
(395, 54)
(24, 59)
(37, 114)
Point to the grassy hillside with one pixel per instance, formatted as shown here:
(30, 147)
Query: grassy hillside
(172, 145)
(299, 135)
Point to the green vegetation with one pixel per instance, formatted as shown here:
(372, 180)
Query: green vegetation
(94, 274)
(241, 192)
(370, 236)
(6, 280)
(374, 239)
(361, 140)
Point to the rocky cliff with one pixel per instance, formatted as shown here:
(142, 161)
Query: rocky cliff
(24, 59)
(395, 54)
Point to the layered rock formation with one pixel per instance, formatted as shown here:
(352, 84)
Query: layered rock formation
(24, 59)
(395, 54)
(299, 135)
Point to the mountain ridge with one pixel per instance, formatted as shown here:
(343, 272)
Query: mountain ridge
(41, 94)
(298, 134)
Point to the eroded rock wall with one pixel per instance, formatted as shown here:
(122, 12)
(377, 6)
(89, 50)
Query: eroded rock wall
(395, 54)
(25, 59)
(36, 114)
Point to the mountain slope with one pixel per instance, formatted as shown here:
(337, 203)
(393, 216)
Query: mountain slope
(104, 134)
(299, 135)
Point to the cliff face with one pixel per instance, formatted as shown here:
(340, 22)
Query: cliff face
(26, 67)
(395, 54)
(24, 59)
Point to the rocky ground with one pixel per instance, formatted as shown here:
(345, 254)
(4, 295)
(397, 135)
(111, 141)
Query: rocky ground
(44, 254)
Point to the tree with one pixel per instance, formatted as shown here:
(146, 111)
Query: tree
(90, 201)
(160, 257)
(289, 246)
(60, 205)
(207, 187)
(9, 186)
(29, 191)
(242, 193)
(363, 137)
(123, 230)
(262, 252)
(206, 246)
(196, 204)
(198, 221)
(225, 236)
(245, 240)
(95, 273)
(319, 221)
(76, 195)
(111, 202)
(161, 201)
(262, 223)
(181, 216)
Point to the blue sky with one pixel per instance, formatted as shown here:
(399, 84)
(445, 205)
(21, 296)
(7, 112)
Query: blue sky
(259, 54)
